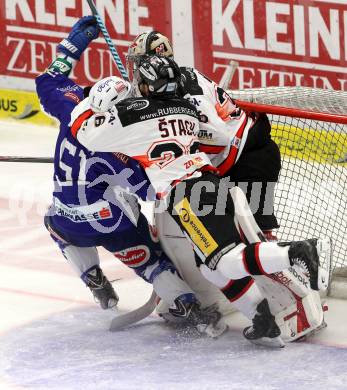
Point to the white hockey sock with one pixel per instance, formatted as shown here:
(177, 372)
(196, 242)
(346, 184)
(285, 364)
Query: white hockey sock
(168, 286)
(81, 259)
(254, 259)
(214, 276)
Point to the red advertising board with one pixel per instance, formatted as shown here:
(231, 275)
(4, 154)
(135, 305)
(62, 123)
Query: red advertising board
(270, 43)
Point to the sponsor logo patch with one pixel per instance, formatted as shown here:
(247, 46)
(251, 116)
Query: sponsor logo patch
(95, 212)
(299, 277)
(69, 88)
(205, 135)
(279, 276)
(120, 86)
(104, 85)
(195, 228)
(138, 105)
(72, 96)
(133, 257)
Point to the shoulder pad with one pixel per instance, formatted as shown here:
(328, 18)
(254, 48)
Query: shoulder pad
(137, 104)
(190, 83)
(79, 109)
(135, 110)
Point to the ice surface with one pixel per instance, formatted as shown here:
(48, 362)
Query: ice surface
(53, 336)
(73, 349)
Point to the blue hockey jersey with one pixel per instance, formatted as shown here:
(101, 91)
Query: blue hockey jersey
(90, 189)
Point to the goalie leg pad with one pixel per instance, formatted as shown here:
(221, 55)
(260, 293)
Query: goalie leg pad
(302, 318)
(297, 308)
(242, 294)
(205, 286)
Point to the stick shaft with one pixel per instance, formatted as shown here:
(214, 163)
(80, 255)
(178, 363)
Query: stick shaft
(26, 159)
(108, 40)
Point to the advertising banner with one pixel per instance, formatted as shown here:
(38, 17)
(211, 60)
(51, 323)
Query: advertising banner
(23, 106)
(267, 43)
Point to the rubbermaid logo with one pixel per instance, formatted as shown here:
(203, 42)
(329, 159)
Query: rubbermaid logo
(138, 105)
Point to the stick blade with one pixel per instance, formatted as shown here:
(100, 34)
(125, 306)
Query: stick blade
(124, 320)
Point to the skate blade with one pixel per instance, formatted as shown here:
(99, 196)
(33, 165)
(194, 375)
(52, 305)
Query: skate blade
(275, 342)
(324, 253)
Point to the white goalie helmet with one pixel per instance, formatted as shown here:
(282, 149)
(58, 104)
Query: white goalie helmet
(147, 43)
(108, 92)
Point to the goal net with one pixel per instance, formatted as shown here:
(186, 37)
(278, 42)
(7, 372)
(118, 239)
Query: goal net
(310, 127)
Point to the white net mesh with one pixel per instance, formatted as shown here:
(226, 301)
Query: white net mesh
(311, 196)
(312, 99)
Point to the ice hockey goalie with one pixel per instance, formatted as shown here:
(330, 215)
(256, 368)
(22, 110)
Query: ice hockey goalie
(298, 309)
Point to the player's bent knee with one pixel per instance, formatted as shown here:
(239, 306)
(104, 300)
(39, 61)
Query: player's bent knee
(213, 276)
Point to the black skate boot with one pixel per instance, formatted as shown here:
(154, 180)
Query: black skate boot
(264, 330)
(101, 288)
(188, 313)
(305, 254)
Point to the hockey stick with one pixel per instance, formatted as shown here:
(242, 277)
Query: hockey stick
(136, 315)
(228, 75)
(108, 40)
(26, 159)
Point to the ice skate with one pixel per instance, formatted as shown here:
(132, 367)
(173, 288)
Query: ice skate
(264, 330)
(101, 288)
(187, 313)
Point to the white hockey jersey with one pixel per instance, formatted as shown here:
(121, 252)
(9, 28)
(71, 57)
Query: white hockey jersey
(223, 126)
(161, 134)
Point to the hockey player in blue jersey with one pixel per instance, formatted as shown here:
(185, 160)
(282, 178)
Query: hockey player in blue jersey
(95, 198)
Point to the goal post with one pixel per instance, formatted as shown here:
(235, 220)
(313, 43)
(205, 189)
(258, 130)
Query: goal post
(310, 127)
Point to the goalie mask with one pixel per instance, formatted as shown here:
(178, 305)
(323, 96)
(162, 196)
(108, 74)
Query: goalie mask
(159, 75)
(147, 43)
(108, 92)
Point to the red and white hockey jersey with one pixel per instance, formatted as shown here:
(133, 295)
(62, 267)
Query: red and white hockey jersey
(223, 126)
(161, 134)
